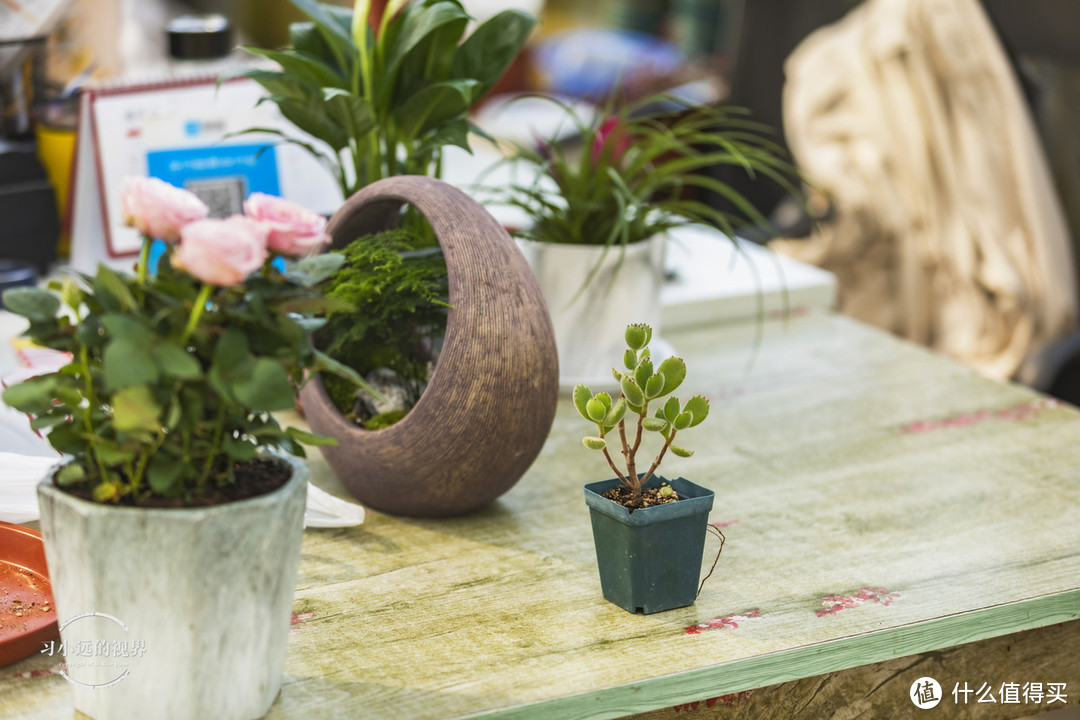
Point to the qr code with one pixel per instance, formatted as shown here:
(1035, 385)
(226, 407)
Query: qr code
(224, 196)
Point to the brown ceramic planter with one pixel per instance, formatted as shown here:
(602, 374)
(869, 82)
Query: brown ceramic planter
(491, 400)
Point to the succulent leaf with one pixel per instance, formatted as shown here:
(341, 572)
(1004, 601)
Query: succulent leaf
(699, 406)
(629, 359)
(582, 395)
(674, 370)
(594, 443)
(671, 408)
(616, 413)
(643, 372)
(596, 410)
(617, 375)
(637, 335)
(681, 452)
(604, 398)
(654, 424)
(683, 420)
(635, 409)
(655, 386)
(645, 354)
(632, 392)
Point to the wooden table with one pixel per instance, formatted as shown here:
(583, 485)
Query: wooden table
(881, 504)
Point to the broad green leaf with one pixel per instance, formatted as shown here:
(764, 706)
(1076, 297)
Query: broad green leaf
(490, 49)
(177, 362)
(112, 453)
(32, 303)
(582, 395)
(123, 327)
(71, 293)
(127, 364)
(109, 283)
(349, 111)
(674, 370)
(681, 452)
(266, 388)
(594, 443)
(283, 85)
(317, 268)
(434, 105)
(70, 474)
(162, 472)
(326, 21)
(135, 410)
(416, 23)
(455, 133)
(699, 407)
(304, 66)
(47, 421)
(238, 449)
(313, 120)
(33, 395)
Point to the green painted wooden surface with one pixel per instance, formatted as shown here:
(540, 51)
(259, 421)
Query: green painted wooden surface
(842, 459)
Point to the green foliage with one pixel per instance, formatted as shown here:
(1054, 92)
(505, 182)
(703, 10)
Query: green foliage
(393, 292)
(640, 386)
(385, 101)
(170, 381)
(638, 172)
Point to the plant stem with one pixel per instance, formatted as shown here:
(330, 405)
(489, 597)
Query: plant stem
(84, 360)
(144, 257)
(196, 311)
(659, 457)
(622, 478)
(218, 430)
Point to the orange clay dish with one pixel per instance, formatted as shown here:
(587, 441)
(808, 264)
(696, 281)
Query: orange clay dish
(27, 615)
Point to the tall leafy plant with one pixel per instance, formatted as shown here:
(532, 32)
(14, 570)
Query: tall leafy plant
(384, 101)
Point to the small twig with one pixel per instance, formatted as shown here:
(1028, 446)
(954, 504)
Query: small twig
(618, 474)
(659, 457)
(723, 539)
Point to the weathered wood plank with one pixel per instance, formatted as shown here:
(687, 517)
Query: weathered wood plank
(882, 690)
(879, 502)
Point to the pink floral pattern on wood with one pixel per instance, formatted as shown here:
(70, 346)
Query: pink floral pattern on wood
(1016, 413)
(739, 699)
(835, 603)
(297, 621)
(55, 669)
(727, 622)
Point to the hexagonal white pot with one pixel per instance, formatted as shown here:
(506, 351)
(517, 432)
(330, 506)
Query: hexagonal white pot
(175, 613)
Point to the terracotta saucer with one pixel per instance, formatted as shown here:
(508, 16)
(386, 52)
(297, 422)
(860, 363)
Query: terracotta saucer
(27, 614)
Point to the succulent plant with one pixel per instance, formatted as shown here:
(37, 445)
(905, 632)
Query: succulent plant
(641, 385)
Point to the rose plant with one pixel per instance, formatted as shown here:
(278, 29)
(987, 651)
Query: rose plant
(174, 375)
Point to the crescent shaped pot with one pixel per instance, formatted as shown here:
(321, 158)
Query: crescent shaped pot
(491, 399)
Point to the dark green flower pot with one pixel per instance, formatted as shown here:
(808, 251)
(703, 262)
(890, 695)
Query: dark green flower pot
(650, 559)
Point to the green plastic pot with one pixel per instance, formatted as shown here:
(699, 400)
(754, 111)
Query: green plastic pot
(650, 559)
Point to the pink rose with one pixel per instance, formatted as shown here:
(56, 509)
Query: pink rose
(158, 209)
(222, 252)
(293, 229)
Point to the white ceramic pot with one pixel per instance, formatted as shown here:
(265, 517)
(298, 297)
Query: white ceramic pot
(175, 614)
(590, 315)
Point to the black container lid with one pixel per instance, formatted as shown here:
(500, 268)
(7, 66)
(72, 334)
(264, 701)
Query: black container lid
(199, 37)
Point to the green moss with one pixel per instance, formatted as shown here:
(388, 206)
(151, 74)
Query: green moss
(396, 289)
(384, 420)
